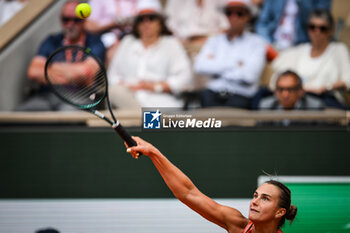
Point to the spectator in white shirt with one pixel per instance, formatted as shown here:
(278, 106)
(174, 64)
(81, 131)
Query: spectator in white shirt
(234, 61)
(282, 22)
(323, 65)
(150, 67)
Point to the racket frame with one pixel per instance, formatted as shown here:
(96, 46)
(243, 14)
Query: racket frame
(89, 108)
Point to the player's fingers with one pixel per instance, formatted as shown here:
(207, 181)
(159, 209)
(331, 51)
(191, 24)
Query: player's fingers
(137, 139)
(127, 146)
(134, 153)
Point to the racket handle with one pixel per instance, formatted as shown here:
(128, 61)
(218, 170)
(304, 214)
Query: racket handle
(124, 135)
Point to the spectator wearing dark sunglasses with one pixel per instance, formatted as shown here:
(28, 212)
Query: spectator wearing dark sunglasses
(193, 21)
(233, 61)
(323, 64)
(73, 33)
(150, 67)
(282, 22)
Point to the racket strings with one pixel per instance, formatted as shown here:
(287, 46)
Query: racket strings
(89, 85)
(84, 95)
(83, 91)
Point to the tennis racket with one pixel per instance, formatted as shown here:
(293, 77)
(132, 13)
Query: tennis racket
(78, 77)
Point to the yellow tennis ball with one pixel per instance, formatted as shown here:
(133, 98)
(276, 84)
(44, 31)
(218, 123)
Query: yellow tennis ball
(83, 10)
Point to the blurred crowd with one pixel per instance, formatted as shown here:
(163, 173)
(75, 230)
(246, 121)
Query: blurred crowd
(205, 53)
(8, 8)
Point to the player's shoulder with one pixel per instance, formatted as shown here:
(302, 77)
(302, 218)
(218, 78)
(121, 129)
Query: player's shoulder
(234, 220)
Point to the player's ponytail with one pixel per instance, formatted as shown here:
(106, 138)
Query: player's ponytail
(291, 213)
(285, 202)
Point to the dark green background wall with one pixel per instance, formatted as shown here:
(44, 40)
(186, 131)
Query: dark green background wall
(92, 163)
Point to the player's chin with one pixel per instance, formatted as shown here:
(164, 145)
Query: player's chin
(253, 216)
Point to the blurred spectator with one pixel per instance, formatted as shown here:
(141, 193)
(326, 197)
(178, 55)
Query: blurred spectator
(257, 6)
(258, 3)
(73, 34)
(8, 8)
(289, 95)
(283, 22)
(150, 67)
(323, 65)
(194, 20)
(234, 61)
(112, 19)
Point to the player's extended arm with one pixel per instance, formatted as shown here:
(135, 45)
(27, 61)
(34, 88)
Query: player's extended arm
(183, 189)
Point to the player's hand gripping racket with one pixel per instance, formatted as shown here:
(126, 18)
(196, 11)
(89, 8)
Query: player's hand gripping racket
(79, 78)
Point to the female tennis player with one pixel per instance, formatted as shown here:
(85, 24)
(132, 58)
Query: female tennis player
(269, 208)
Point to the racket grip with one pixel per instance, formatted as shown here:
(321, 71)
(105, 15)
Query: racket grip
(125, 135)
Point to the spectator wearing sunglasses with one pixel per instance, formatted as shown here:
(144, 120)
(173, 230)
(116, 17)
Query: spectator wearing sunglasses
(324, 65)
(150, 67)
(282, 22)
(233, 61)
(73, 33)
(194, 20)
(289, 95)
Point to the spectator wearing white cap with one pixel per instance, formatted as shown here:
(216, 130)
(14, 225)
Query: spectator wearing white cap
(150, 67)
(194, 20)
(234, 61)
